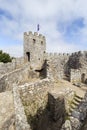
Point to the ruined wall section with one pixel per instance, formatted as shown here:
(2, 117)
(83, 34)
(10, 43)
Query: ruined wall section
(35, 95)
(20, 117)
(29, 100)
(44, 111)
(44, 108)
(18, 76)
(78, 118)
(34, 49)
(18, 62)
(78, 61)
(6, 67)
(57, 65)
(75, 76)
(10, 66)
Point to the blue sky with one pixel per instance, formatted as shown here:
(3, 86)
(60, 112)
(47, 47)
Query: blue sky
(64, 23)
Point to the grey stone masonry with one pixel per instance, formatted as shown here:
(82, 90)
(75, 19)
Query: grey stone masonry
(20, 117)
(75, 76)
(34, 49)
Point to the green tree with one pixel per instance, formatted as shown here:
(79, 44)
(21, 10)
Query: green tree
(5, 57)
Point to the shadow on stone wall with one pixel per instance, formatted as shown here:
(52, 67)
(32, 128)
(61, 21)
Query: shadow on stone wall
(74, 62)
(84, 126)
(43, 71)
(50, 118)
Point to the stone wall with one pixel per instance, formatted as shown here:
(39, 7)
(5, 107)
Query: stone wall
(35, 95)
(20, 117)
(38, 104)
(75, 76)
(44, 109)
(78, 60)
(32, 98)
(8, 67)
(57, 65)
(9, 124)
(34, 49)
(17, 76)
(18, 62)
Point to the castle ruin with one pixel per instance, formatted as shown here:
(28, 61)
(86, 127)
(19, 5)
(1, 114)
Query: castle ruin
(48, 90)
(34, 50)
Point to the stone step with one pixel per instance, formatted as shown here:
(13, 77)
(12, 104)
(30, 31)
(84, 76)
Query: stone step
(77, 100)
(69, 114)
(75, 103)
(73, 106)
(79, 97)
(71, 110)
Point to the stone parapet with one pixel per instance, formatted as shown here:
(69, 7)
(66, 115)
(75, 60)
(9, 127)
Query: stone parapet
(20, 117)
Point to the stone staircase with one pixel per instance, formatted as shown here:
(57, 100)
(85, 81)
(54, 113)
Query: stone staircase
(74, 104)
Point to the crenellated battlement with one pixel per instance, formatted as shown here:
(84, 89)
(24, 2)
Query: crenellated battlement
(34, 49)
(79, 53)
(66, 54)
(50, 55)
(34, 35)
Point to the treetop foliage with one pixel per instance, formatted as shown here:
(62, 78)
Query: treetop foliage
(5, 57)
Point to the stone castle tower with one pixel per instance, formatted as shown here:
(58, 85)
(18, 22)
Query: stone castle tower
(34, 50)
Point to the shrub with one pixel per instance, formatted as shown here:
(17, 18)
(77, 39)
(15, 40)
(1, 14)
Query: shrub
(5, 57)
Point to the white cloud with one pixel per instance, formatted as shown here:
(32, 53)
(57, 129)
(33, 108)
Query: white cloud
(14, 51)
(26, 14)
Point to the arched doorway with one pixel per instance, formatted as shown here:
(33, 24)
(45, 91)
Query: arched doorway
(28, 56)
